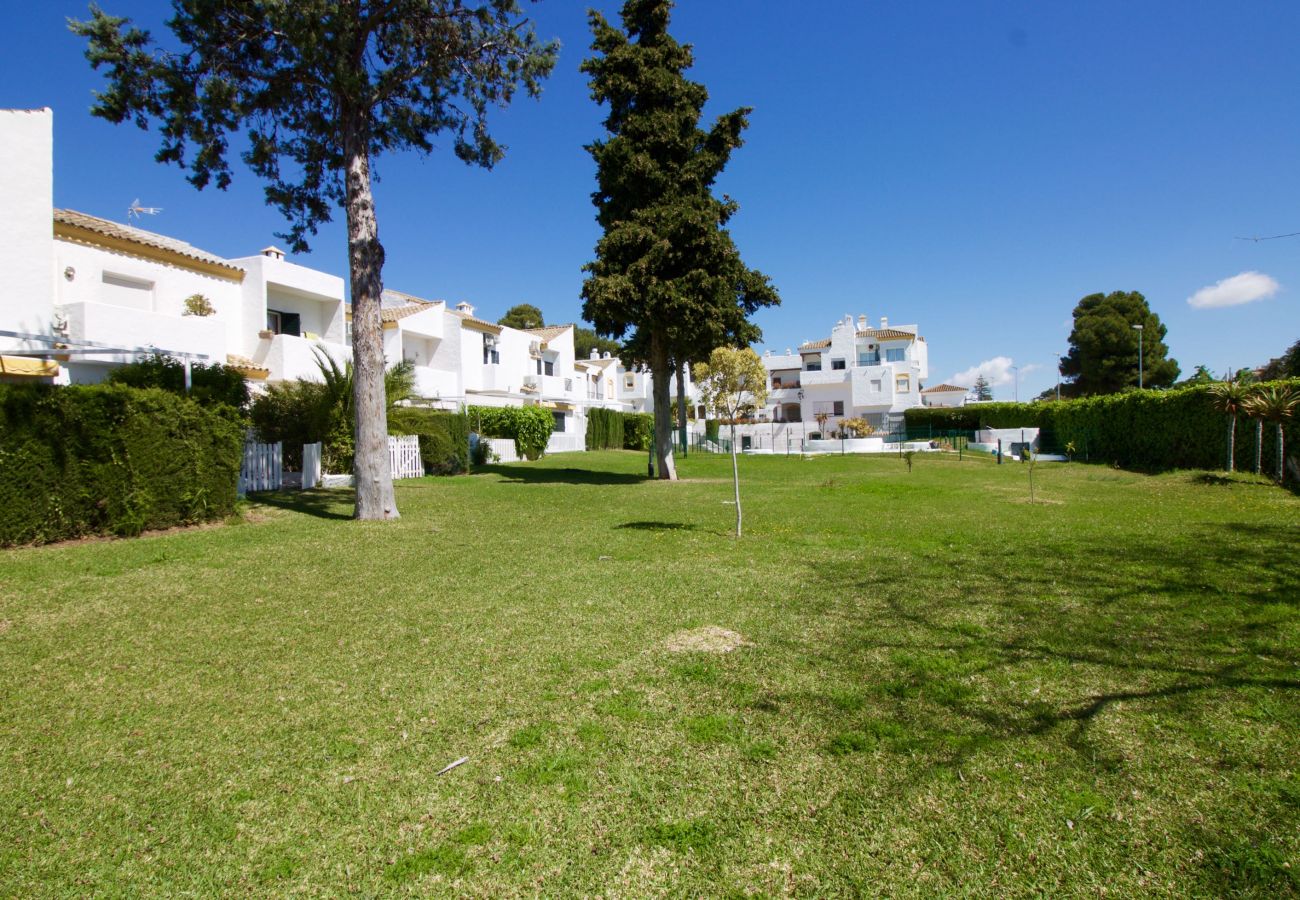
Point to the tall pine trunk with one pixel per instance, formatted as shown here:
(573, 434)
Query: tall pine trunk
(661, 374)
(681, 404)
(1232, 442)
(371, 470)
(735, 473)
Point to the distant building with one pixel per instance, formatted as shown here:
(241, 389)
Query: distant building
(944, 395)
(860, 371)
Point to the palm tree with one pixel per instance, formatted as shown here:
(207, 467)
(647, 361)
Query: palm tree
(1228, 397)
(1274, 403)
(399, 382)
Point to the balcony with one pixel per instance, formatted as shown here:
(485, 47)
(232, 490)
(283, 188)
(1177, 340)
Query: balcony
(554, 387)
(834, 376)
(788, 383)
(435, 384)
(290, 356)
(129, 329)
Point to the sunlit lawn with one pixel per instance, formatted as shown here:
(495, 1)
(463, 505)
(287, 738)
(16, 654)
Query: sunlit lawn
(947, 690)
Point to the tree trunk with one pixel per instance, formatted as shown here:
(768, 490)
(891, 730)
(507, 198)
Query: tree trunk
(1281, 457)
(661, 374)
(735, 473)
(1232, 442)
(1259, 445)
(681, 404)
(371, 470)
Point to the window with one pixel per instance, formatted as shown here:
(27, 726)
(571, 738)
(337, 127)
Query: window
(869, 358)
(875, 386)
(490, 354)
(897, 354)
(283, 322)
(837, 408)
(122, 290)
(813, 364)
(549, 367)
(539, 366)
(902, 384)
(629, 382)
(837, 364)
(559, 421)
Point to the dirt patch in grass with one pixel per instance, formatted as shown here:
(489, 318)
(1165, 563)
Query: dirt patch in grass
(709, 639)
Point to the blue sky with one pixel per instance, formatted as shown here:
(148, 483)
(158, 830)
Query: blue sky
(972, 167)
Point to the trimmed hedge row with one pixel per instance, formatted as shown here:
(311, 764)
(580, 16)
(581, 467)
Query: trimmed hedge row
(444, 437)
(1144, 430)
(529, 426)
(638, 431)
(604, 429)
(111, 459)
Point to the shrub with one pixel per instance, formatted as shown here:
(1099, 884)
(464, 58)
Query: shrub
(111, 459)
(529, 426)
(303, 412)
(444, 437)
(604, 429)
(199, 305)
(638, 431)
(1142, 430)
(209, 384)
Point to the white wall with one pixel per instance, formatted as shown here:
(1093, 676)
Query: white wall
(26, 227)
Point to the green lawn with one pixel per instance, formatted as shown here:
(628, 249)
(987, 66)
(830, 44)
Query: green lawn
(947, 690)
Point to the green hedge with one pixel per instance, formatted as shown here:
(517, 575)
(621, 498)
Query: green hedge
(529, 426)
(604, 429)
(638, 431)
(1144, 430)
(209, 384)
(111, 459)
(444, 437)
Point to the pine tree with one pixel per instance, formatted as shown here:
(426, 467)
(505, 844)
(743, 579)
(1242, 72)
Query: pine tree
(320, 88)
(981, 389)
(667, 279)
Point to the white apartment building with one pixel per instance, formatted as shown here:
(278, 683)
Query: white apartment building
(860, 371)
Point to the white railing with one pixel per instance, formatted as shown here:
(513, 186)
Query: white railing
(262, 468)
(404, 456)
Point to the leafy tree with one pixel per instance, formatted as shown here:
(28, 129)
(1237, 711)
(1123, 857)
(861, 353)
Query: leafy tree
(1103, 357)
(732, 383)
(585, 340)
(981, 388)
(522, 316)
(667, 279)
(198, 305)
(1285, 366)
(1228, 397)
(318, 89)
(210, 384)
(1202, 375)
(1274, 403)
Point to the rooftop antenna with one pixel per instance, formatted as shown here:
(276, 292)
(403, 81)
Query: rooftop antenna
(1272, 237)
(135, 210)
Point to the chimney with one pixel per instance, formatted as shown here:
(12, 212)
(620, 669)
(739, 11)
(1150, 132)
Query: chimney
(884, 323)
(788, 352)
(595, 354)
(272, 252)
(465, 307)
(607, 355)
(768, 353)
(862, 323)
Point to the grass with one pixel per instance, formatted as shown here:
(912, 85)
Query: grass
(947, 690)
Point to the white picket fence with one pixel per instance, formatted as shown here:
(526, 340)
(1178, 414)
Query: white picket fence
(404, 456)
(262, 468)
(310, 465)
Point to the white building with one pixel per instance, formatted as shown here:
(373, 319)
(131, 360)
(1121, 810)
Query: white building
(949, 395)
(860, 371)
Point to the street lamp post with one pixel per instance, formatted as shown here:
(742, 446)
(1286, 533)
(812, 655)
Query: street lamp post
(1138, 329)
(1016, 371)
(1058, 376)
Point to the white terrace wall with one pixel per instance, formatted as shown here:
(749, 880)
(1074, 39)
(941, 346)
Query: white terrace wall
(26, 227)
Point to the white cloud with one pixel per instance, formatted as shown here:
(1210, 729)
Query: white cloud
(997, 371)
(1244, 288)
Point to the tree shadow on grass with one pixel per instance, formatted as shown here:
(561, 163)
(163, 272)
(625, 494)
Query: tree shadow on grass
(659, 526)
(323, 504)
(528, 474)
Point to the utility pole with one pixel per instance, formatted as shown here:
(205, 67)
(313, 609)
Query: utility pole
(1016, 371)
(1058, 376)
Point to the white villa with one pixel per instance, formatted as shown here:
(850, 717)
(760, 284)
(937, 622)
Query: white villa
(860, 371)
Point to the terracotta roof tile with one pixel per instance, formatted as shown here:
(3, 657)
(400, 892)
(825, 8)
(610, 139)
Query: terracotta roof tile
(887, 334)
(550, 332)
(138, 236)
(815, 345)
(944, 389)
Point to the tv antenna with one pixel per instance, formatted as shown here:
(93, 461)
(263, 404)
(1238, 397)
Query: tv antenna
(135, 210)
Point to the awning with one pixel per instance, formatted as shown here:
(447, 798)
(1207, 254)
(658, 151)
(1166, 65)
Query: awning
(28, 367)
